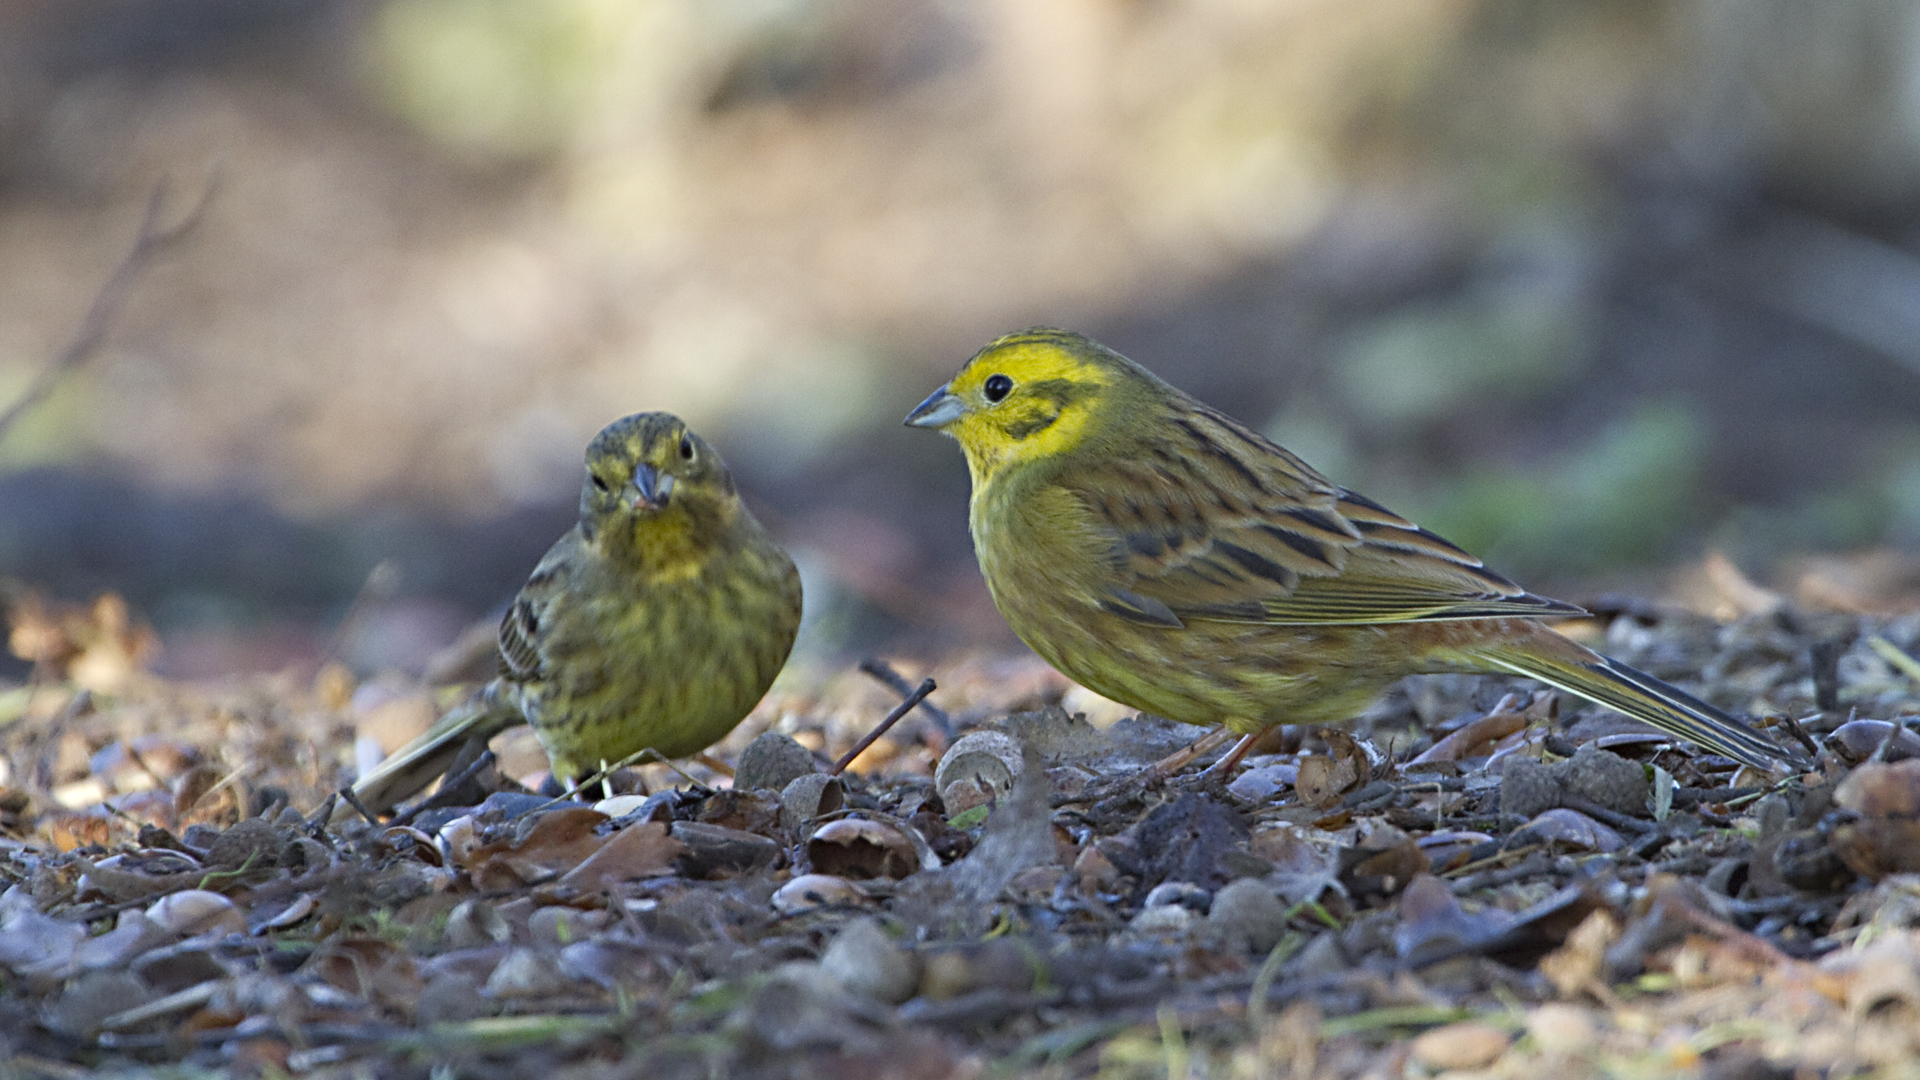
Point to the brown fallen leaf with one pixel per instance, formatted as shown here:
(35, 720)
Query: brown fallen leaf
(1578, 967)
(558, 841)
(1879, 790)
(1431, 919)
(1478, 736)
(100, 646)
(638, 851)
(371, 968)
(859, 848)
(1883, 837)
(1323, 780)
(1382, 865)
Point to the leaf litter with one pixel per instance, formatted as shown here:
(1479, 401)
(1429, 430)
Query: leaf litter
(1464, 881)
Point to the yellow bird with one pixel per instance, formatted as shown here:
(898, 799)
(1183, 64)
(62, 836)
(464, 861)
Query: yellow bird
(657, 623)
(1165, 555)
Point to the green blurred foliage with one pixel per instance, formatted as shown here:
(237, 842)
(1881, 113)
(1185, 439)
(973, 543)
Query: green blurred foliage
(52, 431)
(496, 78)
(1502, 343)
(1625, 498)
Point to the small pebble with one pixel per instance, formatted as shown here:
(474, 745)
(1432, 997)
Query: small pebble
(1159, 922)
(1185, 894)
(976, 769)
(1620, 785)
(1261, 784)
(197, 911)
(452, 997)
(807, 797)
(866, 961)
(1527, 787)
(618, 806)
(559, 925)
(131, 935)
(1468, 1044)
(174, 969)
(1774, 815)
(809, 891)
(476, 923)
(525, 973)
(1249, 917)
(771, 761)
(93, 998)
(945, 975)
(1558, 1028)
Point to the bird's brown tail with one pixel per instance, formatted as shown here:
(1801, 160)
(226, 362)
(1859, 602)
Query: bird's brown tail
(1609, 682)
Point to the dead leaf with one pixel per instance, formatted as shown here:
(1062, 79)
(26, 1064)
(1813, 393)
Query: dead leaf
(1880, 790)
(1476, 738)
(370, 968)
(746, 810)
(1577, 967)
(557, 841)
(638, 851)
(1568, 829)
(858, 848)
(1432, 919)
(99, 646)
(1383, 865)
(1182, 840)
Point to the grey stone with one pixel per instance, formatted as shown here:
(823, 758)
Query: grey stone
(1248, 916)
(771, 762)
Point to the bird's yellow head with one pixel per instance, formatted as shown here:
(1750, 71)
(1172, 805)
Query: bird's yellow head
(653, 484)
(1030, 395)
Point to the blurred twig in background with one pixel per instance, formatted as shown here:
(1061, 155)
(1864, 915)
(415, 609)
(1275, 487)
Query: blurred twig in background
(153, 240)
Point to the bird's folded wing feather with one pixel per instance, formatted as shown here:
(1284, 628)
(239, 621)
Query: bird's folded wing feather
(1238, 530)
(523, 630)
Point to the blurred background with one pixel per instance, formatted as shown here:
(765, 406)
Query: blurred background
(1592, 289)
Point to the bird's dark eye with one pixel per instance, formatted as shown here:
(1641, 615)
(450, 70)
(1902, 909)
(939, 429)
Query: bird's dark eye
(686, 448)
(597, 481)
(998, 387)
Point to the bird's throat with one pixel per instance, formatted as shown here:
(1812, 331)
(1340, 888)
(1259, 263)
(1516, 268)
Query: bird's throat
(662, 547)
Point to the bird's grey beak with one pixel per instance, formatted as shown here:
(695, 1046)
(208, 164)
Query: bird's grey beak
(651, 488)
(940, 409)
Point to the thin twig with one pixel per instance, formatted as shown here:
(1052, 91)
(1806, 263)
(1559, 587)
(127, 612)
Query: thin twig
(317, 824)
(1800, 734)
(152, 241)
(354, 801)
(448, 785)
(896, 682)
(919, 694)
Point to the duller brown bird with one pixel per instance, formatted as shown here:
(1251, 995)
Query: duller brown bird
(1167, 556)
(656, 623)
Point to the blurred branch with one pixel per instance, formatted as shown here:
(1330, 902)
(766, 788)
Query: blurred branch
(1860, 288)
(153, 240)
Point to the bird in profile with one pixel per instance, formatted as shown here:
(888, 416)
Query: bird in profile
(1167, 556)
(657, 622)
